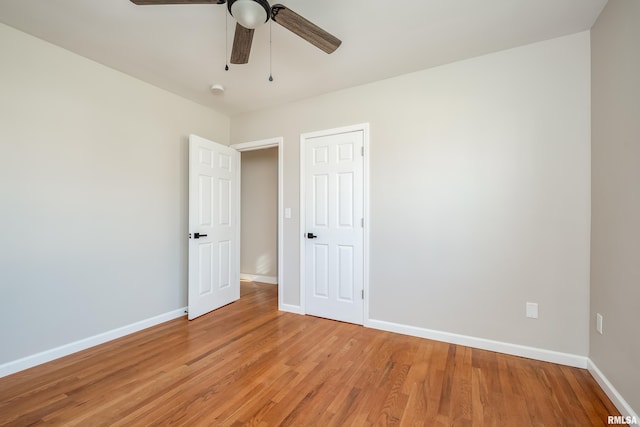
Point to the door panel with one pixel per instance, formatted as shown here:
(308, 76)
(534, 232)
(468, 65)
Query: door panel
(345, 200)
(345, 273)
(214, 256)
(224, 251)
(334, 206)
(321, 271)
(224, 202)
(321, 200)
(205, 256)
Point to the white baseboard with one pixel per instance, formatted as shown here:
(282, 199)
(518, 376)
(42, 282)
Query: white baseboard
(613, 394)
(272, 280)
(83, 344)
(296, 309)
(481, 343)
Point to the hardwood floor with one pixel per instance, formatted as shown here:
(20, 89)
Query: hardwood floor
(248, 364)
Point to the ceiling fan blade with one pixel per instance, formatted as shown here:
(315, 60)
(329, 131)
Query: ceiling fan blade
(153, 2)
(304, 28)
(241, 45)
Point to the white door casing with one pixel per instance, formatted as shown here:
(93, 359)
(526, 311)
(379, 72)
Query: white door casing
(276, 142)
(333, 178)
(214, 227)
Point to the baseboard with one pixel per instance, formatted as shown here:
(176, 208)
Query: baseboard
(272, 280)
(83, 344)
(625, 409)
(296, 309)
(481, 343)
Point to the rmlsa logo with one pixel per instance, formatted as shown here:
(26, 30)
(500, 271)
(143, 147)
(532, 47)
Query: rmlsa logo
(620, 419)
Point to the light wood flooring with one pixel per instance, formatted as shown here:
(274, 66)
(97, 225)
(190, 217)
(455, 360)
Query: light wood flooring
(248, 364)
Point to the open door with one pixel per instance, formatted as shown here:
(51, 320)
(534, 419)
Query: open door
(214, 226)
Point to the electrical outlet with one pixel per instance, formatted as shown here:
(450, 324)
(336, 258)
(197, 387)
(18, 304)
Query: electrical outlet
(532, 310)
(599, 323)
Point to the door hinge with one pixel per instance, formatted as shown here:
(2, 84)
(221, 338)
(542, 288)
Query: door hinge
(363, 294)
(362, 151)
(362, 222)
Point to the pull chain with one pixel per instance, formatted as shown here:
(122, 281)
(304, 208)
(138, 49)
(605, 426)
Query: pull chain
(270, 59)
(226, 41)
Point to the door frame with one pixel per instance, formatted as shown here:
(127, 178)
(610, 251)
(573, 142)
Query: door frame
(260, 145)
(364, 127)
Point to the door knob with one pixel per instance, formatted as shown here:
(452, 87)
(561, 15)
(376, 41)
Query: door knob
(198, 235)
(311, 236)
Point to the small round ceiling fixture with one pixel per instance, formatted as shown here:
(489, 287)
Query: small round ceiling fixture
(217, 89)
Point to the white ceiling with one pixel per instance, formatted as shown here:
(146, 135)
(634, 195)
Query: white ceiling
(181, 48)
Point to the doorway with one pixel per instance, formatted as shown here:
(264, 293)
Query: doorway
(261, 262)
(259, 215)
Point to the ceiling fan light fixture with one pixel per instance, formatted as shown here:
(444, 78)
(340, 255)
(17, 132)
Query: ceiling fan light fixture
(250, 13)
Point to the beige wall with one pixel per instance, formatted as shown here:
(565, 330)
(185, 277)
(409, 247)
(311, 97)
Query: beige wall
(93, 196)
(615, 246)
(480, 192)
(259, 195)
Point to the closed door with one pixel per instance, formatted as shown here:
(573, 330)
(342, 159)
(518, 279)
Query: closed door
(214, 230)
(334, 225)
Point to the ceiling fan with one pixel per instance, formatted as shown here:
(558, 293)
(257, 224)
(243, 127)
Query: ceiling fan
(250, 14)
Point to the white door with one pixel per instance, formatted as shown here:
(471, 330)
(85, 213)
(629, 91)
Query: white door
(214, 230)
(333, 225)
